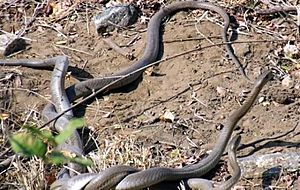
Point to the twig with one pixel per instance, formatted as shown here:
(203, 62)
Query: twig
(150, 65)
(255, 166)
(30, 91)
(68, 12)
(14, 35)
(276, 9)
(197, 99)
(118, 49)
(189, 39)
(87, 21)
(52, 27)
(73, 49)
(134, 39)
(5, 164)
(33, 17)
(298, 18)
(201, 117)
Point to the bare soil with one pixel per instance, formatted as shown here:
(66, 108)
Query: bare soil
(127, 124)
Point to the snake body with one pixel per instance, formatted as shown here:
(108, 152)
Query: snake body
(152, 176)
(57, 87)
(107, 179)
(203, 184)
(147, 178)
(150, 54)
(236, 174)
(152, 50)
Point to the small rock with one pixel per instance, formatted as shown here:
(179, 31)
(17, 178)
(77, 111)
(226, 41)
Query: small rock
(261, 99)
(266, 103)
(295, 74)
(9, 44)
(287, 81)
(120, 16)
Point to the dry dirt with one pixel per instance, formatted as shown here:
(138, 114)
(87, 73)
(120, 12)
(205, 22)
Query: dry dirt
(126, 124)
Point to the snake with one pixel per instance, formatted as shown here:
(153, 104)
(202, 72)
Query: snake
(126, 177)
(107, 179)
(150, 54)
(203, 184)
(58, 94)
(146, 178)
(132, 73)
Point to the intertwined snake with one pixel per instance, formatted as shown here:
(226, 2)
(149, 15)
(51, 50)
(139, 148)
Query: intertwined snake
(134, 179)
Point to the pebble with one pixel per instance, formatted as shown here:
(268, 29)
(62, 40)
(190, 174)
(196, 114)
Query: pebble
(287, 82)
(10, 44)
(120, 16)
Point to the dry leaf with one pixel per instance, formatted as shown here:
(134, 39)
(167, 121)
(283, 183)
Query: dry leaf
(56, 9)
(105, 98)
(149, 71)
(4, 116)
(290, 50)
(68, 154)
(106, 115)
(10, 43)
(221, 91)
(167, 116)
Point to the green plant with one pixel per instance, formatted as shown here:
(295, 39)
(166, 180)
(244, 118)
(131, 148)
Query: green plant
(41, 143)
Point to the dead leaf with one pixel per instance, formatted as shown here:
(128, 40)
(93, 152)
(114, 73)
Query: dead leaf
(4, 116)
(168, 116)
(221, 91)
(290, 51)
(149, 71)
(68, 154)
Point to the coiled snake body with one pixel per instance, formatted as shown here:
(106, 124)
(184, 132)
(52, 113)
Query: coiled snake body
(138, 180)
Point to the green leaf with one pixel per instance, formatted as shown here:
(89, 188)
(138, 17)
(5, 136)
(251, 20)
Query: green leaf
(28, 144)
(285, 67)
(175, 153)
(57, 158)
(69, 130)
(82, 161)
(45, 135)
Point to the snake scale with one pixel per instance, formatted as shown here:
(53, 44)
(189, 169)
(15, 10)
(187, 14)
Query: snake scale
(135, 179)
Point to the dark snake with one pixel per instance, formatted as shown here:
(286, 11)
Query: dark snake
(141, 179)
(150, 55)
(203, 184)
